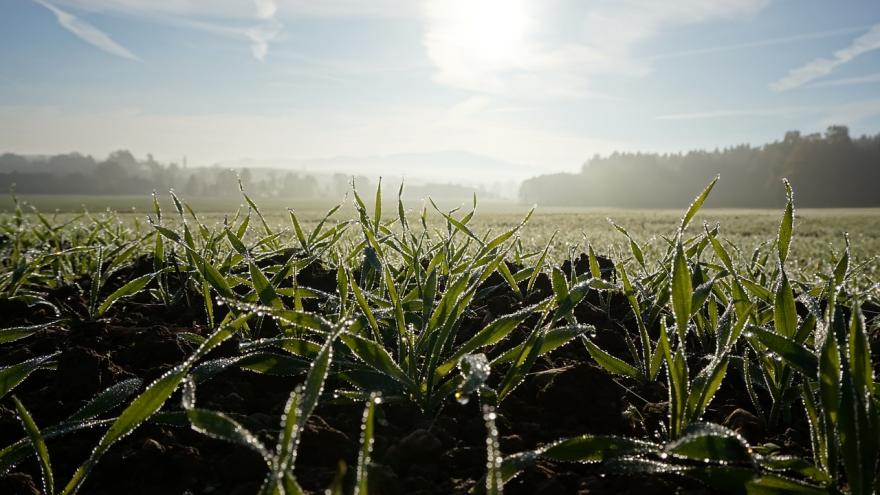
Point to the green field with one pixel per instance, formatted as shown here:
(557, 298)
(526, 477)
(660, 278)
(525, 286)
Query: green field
(386, 351)
(819, 232)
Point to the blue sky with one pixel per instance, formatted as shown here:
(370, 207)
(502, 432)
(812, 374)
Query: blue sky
(545, 83)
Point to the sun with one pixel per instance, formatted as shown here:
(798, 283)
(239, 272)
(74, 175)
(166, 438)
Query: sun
(491, 30)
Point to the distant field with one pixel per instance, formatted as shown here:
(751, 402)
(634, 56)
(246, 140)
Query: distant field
(818, 232)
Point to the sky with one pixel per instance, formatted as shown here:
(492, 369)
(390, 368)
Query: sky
(540, 83)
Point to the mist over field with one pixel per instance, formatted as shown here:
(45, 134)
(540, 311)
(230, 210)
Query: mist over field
(828, 169)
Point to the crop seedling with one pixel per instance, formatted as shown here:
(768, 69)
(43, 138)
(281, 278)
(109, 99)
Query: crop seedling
(418, 323)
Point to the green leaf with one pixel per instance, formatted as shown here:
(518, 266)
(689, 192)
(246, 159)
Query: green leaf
(611, 363)
(220, 426)
(829, 378)
(829, 394)
(633, 245)
(682, 290)
(236, 243)
(522, 364)
(858, 424)
(263, 287)
(574, 296)
(539, 264)
(860, 352)
(361, 486)
(701, 441)
(559, 284)
(375, 356)
(760, 292)
(130, 289)
(17, 333)
(11, 376)
(38, 444)
(793, 353)
(783, 239)
(697, 204)
(490, 334)
(377, 212)
(288, 438)
(271, 364)
(553, 339)
(313, 387)
(508, 277)
(784, 311)
(364, 305)
(594, 448)
(677, 376)
(302, 319)
(211, 275)
(107, 399)
(704, 386)
(300, 235)
(855, 434)
(770, 484)
(595, 269)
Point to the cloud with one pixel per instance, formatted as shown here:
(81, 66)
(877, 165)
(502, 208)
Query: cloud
(541, 49)
(259, 36)
(753, 112)
(759, 43)
(222, 18)
(88, 33)
(232, 18)
(820, 67)
(244, 9)
(266, 8)
(847, 81)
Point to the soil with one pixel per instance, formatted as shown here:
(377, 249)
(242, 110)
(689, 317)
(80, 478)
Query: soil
(414, 453)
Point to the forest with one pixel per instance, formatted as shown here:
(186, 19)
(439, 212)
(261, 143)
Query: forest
(826, 170)
(121, 174)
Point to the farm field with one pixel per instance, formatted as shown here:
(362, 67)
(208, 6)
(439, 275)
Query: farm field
(380, 351)
(819, 231)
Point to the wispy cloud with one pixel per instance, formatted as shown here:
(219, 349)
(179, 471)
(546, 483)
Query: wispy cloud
(820, 67)
(245, 9)
(223, 17)
(88, 33)
(760, 43)
(753, 112)
(266, 8)
(847, 81)
(259, 36)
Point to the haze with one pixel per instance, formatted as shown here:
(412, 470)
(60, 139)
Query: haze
(532, 86)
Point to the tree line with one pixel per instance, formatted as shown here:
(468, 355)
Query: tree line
(826, 170)
(122, 173)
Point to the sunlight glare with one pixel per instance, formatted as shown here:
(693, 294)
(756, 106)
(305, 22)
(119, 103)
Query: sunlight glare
(493, 30)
